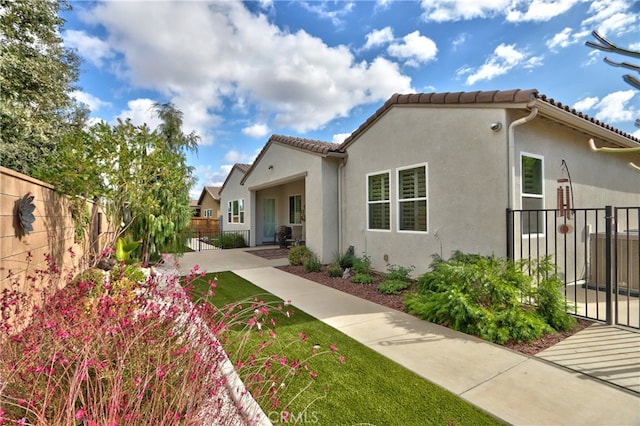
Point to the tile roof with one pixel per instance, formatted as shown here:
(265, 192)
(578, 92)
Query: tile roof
(311, 145)
(515, 96)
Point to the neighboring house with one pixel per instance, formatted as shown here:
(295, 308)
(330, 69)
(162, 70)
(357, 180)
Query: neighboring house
(234, 199)
(433, 173)
(195, 208)
(209, 202)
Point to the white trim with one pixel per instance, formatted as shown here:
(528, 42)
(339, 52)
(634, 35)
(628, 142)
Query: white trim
(389, 201)
(425, 198)
(289, 209)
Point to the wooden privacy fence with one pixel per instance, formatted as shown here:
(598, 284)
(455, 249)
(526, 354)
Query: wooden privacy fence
(205, 224)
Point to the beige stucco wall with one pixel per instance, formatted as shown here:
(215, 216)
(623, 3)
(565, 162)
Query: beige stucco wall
(294, 172)
(209, 203)
(597, 179)
(466, 179)
(234, 191)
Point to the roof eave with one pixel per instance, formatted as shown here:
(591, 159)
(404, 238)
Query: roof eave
(593, 129)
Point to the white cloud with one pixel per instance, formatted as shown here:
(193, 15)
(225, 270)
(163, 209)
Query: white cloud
(257, 130)
(617, 107)
(93, 49)
(562, 39)
(378, 37)
(514, 11)
(540, 10)
(414, 49)
(204, 56)
(459, 41)
(92, 102)
(340, 137)
(321, 9)
(586, 104)
(141, 112)
(505, 58)
(611, 17)
(235, 156)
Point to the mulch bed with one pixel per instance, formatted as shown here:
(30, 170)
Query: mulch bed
(396, 301)
(273, 253)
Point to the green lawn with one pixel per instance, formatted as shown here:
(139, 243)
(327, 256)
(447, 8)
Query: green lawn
(367, 389)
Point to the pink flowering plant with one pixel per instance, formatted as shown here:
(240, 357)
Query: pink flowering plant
(130, 348)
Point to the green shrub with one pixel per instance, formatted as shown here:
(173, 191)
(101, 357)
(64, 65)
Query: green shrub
(399, 273)
(393, 286)
(344, 260)
(550, 302)
(334, 270)
(229, 240)
(312, 264)
(362, 278)
(482, 295)
(94, 277)
(361, 265)
(298, 255)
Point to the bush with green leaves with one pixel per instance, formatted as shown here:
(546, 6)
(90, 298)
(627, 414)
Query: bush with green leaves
(399, 273)
(483, 295)
(393, 286)
(298, 255)
(344, 260)
(229, 240)
(334, 270)
(361, 278)
(361, 265)
(312, 264)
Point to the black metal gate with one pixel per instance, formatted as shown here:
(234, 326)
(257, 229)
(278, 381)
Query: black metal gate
(596, 252)
(218, 240)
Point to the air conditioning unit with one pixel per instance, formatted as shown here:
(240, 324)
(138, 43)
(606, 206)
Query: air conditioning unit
(627, 257)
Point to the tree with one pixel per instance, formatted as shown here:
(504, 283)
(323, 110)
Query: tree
(608, 46)
(140, 177)
(37, 77)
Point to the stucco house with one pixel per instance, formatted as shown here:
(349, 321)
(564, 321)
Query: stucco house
(432, 173)
(209, 202)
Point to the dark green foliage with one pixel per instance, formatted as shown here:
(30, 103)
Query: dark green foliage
(393, 286)
(298, 255)
(483, 296)
(361, 265)
(37, 77)
(344, 260)
(312, 264)
(363, 278)
(550, 302)
(399, 273)
(334, 270)
(228, 240)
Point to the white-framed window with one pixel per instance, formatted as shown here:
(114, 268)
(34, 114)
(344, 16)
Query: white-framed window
(412, 198)
(295, 209)
(235, 211)
(532, 193)
(378, 201)
(208, 213)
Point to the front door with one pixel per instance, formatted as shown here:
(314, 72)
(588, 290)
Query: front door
(269, 220)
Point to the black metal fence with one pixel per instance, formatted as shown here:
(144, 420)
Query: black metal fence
(219, 240)
(596, 253)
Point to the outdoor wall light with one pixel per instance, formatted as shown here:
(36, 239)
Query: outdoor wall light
(496, 126)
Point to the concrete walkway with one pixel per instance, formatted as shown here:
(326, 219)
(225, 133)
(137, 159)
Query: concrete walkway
(564, 385)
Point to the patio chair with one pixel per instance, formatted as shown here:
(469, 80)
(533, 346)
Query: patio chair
(283, 236)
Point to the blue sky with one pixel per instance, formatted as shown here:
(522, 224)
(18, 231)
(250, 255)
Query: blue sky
(241, 71)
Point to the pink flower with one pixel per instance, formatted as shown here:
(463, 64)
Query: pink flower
(342, 359)
(303, 336)
(312, 374)
(80, 414)
(333, 347)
